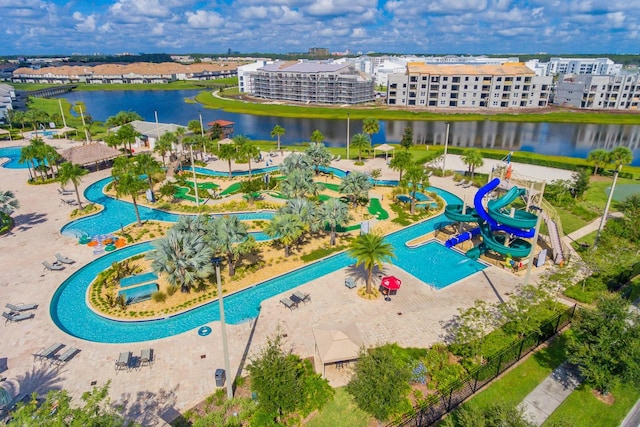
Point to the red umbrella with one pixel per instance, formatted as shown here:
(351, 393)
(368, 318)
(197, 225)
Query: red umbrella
(391, 283)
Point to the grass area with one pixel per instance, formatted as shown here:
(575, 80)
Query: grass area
(582, 408)
(233, 188)
(381, 112)
(375, 209)
(332, 187)
(516, 384)
(341, 411)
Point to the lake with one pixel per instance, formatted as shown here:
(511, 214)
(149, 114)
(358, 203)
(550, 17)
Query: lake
(564, 139)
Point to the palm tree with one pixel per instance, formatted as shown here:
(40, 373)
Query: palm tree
(599, 158)
(415, 179)
(318, 155)
(335, 213)
(473, 159)
(122, 118)
(277, 131)
(246, 150)
(620, 156)
(370, 250)
(127, 181)
(286, 228)
(356, 186)
(370, 126)
(360, 141)
(180, 133)
(400, 162)
(28, 156)
(184, 256)
(148, 166)
(228, 152)
(317, 137)
(299, 183)
(306, 210)
(8, 204)
(226, 234)
(70, 172)
(295, 161)
(164, 144)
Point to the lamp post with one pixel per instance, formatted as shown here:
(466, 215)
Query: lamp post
(603, 221)
(204, 145)
(195, 183)
(348, 116)
(446, 145)
(223, 328)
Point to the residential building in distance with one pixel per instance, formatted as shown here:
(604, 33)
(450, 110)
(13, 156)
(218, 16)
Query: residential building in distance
(509, 86)
(244, 81)
(140, 72)
(555, 66)
(312, 82)
(618, 92)
(7, 96)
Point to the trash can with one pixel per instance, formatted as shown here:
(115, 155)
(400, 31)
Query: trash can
(220, 377)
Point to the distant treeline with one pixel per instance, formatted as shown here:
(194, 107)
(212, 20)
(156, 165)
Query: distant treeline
(122, 59)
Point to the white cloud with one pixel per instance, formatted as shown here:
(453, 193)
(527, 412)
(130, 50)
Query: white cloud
(203, 19)
(86, 24)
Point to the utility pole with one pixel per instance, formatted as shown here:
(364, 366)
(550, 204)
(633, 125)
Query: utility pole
(603, 221)
(223, 327)
(348, 117)
(446, 145)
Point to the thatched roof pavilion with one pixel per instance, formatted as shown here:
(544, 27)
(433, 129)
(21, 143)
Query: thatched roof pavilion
(90, 154)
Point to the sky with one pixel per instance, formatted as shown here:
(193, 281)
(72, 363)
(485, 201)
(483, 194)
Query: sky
(59, 27)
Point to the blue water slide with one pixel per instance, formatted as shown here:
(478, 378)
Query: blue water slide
(482, 212)
(468, 235)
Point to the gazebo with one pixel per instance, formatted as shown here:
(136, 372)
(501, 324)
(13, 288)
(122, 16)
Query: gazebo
(225, 125)
(384, 147)
(224, 142)
(334, 345)
(90, 154)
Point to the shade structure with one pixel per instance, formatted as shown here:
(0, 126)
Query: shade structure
(334, 344)
(385, 148)
(391, 283)
(95, 152)
(224, 141)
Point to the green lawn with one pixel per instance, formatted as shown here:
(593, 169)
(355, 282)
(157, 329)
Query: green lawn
(341, 411)
(375, 209)
(233, 188)
(582, 408)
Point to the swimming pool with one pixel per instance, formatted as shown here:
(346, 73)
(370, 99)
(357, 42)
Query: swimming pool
(117, 214)
(431, 263)
(13, 154)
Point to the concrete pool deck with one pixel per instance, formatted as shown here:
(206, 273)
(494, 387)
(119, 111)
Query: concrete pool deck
(183, 372)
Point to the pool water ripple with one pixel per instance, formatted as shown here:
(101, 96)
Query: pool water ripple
(435, 265)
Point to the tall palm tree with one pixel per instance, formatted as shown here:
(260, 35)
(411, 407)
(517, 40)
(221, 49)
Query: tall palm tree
(180, 133)
(356, 186)
(226, 235)
(599, 158)
(360, 142)
(127, 181)
(414, 180)
(370, 126)
(370, 250)
(473, 159)
(318, 155)
(228, 152)
(286, 228)
(335, 213)
(400, 162)
(70, 172)
(147, 165)
(184, 257)
(295, 161)
(8, 204)
(620, 156)
(127, 135)
(246, 150)
(28, 156)
(277, 131)
(164, 144)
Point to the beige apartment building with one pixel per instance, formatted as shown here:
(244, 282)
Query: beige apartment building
(506, 86)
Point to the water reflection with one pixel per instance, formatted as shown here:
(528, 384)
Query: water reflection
(567, 139)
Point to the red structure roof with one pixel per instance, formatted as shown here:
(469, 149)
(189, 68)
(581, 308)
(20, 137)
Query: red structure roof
(222, 123)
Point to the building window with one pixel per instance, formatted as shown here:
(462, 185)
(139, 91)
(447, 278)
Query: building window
(445, 79)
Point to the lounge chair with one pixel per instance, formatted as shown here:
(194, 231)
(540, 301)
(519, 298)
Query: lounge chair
(430, 174)
(338, 158)
(289, 303)
(17, 317)
(66, 356)
(468, 184)
(461, 183)
(69, 202)
(146, 357)
(123, 361)
(349, 282)
(63, 259)
(64, 192)
(52, 267)
(299, 297)
(21, 307)
(48, 353)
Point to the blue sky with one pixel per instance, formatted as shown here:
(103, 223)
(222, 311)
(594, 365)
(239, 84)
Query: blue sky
(32, 27)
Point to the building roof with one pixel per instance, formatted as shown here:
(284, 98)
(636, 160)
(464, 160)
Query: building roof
(507, 69)
(222, 123)
(152, 129)
(305, 67)
(145, 68)
(89, 154)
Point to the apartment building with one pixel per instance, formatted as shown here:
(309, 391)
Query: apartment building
(618, 92)
(7, 96)
(509, 86)
(555, 66)
(312, 83)
(244, 80)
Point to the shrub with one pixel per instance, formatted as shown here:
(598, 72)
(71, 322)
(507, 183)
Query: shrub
(159, 296)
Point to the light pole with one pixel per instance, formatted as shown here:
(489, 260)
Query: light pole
(446, 145)
(204, 145)
(603, 221)
(195, 183)
(348, 116)
(223, 328)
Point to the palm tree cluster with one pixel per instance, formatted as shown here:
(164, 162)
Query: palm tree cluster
(40, 158)
(617, 157)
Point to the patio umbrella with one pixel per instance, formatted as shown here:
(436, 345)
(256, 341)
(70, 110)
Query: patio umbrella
(391, 283)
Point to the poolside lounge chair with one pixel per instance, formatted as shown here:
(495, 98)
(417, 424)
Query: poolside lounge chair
(21, 307)
(52, 267)
(146, 357)
(17, 317)
(66, 356)
(299, 297)
(468, 184)
(349, 282)
(461, 183)
(69, 202)
(63, 259)
(123, 361)
(48, 353)
(64, 192)
(289, 303)
(430, 174)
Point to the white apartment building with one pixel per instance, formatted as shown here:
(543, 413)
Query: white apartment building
(244, 82)
(7, 96)
(510, 85)
(619, 92)
(312, 82)
(595, 66)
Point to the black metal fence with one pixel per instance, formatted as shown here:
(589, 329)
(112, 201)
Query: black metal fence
(442, 402)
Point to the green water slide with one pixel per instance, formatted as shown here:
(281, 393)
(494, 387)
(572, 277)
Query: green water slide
(454, 213)
(518, 248)
(499, 211)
